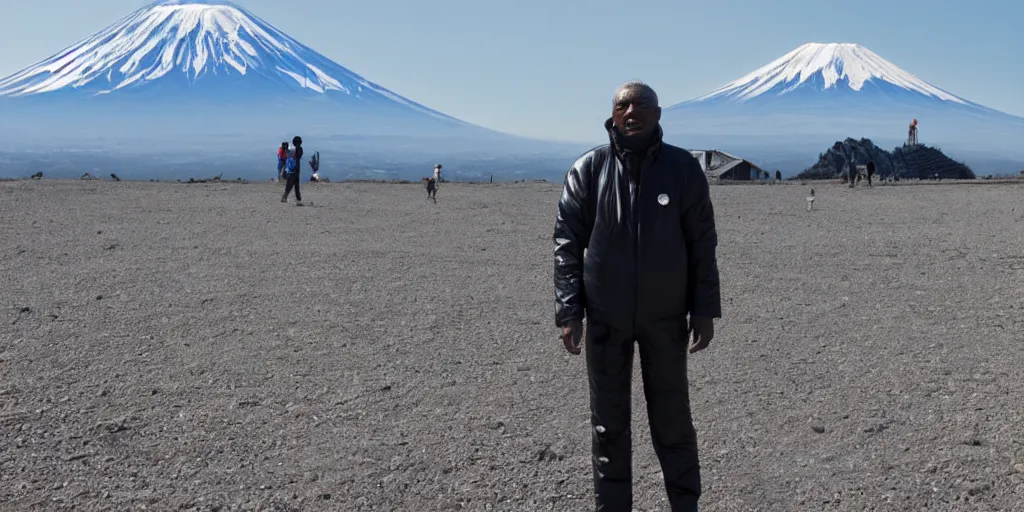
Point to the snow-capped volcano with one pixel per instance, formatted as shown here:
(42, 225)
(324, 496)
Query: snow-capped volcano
(822, 67)
(819, 93)
(180, 88)
(192, 39)
(205, 51)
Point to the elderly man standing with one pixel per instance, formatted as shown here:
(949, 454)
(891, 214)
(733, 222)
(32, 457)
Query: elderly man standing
(641, 210)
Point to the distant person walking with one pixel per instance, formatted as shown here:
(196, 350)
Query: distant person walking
(293, 165)
(434, 183)
(852, 173)
(871, 171)
(282, 155)
(432, 189)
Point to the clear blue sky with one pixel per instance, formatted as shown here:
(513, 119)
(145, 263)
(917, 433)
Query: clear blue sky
(547, 68)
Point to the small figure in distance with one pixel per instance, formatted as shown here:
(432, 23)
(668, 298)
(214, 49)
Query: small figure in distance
(282, 155)
(434, 183)
(292, 167)
(432, 189)
(314, 163)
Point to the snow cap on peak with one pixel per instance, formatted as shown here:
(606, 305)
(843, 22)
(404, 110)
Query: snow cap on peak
(195, 6)
(829, 46)
(193, 38)
(831, 65)
(193, 2)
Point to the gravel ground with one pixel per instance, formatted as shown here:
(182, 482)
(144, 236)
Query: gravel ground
(205, 347)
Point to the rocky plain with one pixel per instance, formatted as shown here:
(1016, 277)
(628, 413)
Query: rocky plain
(168, 346)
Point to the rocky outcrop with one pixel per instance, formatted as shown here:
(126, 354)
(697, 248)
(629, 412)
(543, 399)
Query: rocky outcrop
(907, 162)
(925, 162)
(835, 162)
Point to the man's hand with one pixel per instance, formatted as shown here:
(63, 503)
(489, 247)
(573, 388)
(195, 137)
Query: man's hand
(571, 335)
(703, 329)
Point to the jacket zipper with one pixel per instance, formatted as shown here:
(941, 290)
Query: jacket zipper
(645, 167)
(636, 244)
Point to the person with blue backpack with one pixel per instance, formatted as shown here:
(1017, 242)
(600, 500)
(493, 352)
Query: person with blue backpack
(291, 169)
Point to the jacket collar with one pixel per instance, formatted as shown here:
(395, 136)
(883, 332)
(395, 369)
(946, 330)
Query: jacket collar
(615, 137)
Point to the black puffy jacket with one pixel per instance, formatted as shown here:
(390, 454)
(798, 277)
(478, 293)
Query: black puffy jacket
(645, 260)
(298, 157)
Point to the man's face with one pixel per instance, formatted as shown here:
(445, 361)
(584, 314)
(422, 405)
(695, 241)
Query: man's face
(635, 112)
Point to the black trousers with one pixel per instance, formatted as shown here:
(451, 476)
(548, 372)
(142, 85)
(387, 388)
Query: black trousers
(293, 181)
(663, 355)
(432, 190)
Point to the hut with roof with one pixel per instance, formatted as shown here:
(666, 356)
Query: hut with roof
(719, 165)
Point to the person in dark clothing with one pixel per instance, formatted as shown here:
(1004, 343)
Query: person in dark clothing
(642, 210)
(314, 163)
(871, 171)
(432, 189)
(778, 175)
(293, 172)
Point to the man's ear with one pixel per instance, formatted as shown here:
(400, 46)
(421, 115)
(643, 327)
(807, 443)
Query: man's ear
(658, 116)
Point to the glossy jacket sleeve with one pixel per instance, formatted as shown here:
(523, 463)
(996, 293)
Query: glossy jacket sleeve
(571, 236)
(702, 243)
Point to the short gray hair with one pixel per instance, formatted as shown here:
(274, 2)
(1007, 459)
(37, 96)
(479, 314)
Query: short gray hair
(636, 85)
